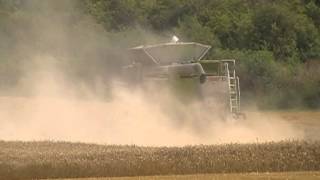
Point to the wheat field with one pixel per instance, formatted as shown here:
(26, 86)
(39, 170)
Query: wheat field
(33, 160)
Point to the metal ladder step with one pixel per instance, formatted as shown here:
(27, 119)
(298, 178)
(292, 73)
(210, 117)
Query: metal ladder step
(233, 85)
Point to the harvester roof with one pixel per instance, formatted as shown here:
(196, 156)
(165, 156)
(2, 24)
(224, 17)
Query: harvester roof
(168, 53)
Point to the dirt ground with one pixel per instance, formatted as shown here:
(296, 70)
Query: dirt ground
(307, 121)
(242, 176)
(127, 120)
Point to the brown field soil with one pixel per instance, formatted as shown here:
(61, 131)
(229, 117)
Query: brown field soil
(241, 176)
(299, 117)
(308, 121)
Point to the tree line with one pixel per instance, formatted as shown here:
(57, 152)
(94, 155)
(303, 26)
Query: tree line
(276, 43)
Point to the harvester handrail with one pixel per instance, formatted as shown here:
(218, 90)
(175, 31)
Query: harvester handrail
(151, 57)
(217, 61)
(239, 95)
(169, 44)
(228, 79)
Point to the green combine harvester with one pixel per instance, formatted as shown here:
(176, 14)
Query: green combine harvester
(215, 81)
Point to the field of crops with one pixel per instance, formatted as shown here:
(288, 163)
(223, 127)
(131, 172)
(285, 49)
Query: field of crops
(29, 160)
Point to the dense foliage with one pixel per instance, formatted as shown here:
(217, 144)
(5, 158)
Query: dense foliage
(277, 43)
(273, 40)
(34, 160)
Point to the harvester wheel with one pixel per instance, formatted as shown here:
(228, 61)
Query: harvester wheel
(240, 116)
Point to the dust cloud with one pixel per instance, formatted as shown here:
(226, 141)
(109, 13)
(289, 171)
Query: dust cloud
(67, 89)
(55, 111)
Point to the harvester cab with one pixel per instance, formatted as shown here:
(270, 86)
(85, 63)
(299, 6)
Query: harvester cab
(217, 79)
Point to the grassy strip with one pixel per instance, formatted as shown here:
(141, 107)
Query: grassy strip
(27, 160)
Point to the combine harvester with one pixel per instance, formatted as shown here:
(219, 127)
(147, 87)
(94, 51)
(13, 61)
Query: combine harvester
(218, 83)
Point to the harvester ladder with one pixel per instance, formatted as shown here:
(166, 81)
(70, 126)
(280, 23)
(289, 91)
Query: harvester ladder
(234, 89)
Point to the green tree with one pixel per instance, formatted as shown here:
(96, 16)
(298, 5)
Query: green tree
(190, 29)
(274, 30)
